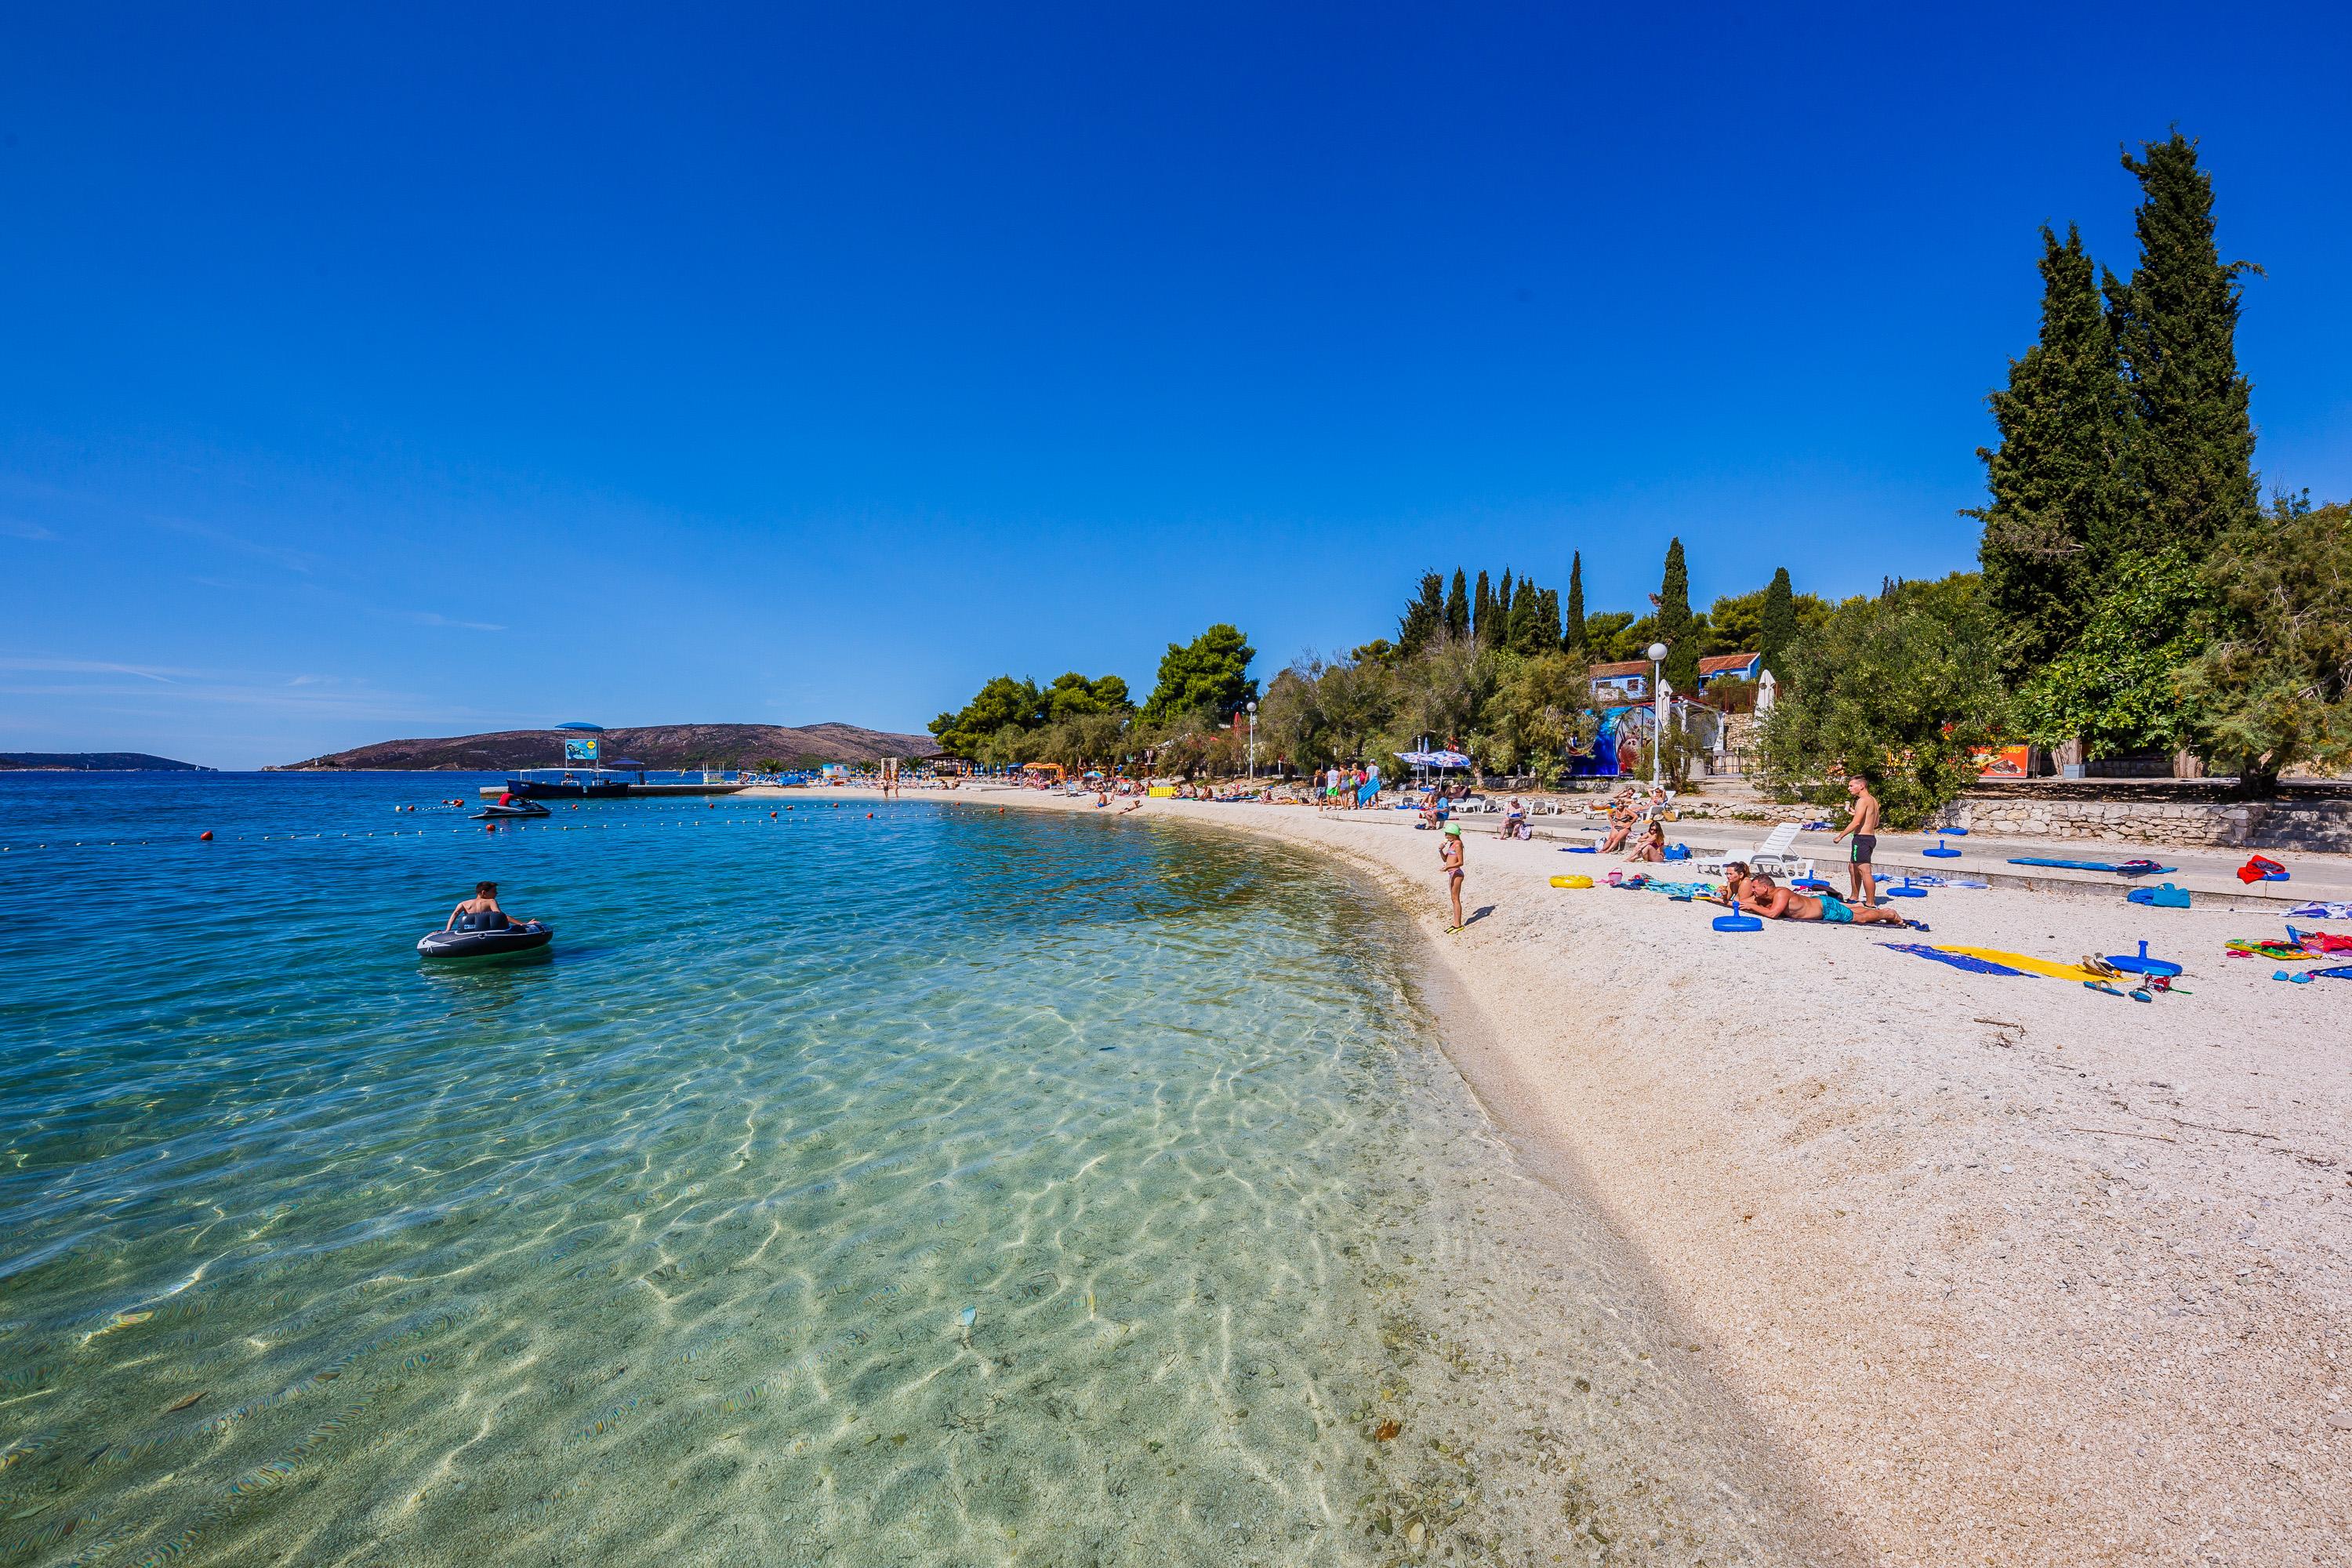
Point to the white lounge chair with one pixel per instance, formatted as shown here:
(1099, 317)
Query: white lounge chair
(1773, 854)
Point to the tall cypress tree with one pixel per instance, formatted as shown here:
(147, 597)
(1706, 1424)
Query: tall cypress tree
(1779, 621)
(1503, 596)
(1521, 637)
(1483, 623)
(1425, 616)
(1457, 605)
(2176, 325)
(1547, 629)
(2059, 478)
(1572, 631)
(1673, 621)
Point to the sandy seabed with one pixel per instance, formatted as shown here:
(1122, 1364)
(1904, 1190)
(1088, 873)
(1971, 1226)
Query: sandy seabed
(2006, 1270)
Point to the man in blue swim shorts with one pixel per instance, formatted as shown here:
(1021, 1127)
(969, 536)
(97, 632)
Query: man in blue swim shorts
(1764, 897)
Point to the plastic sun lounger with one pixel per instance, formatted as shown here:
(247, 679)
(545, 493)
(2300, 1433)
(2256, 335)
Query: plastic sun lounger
(1773, 853)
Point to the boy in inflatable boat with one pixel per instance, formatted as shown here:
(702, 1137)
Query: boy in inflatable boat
(481, 912)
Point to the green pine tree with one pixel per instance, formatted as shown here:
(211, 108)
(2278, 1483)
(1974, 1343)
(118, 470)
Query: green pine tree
(1546, 632)
(1502, 598)
(1457, 605)
(2061, 494)
(1424, 615)
(1572, 631)
(1673, 621)
(2176, 325)
(1779, 621)
(1483, 623)
(1520, 629)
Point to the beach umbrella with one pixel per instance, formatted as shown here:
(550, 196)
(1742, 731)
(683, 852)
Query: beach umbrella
(1447, 760)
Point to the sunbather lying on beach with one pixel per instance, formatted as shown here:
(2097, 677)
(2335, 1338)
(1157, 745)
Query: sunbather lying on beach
(1763, 896)
(1735, 881)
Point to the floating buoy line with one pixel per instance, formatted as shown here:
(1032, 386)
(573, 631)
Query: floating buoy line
(626, 824)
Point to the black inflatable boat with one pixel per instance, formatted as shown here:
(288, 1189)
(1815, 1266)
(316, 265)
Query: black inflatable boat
(489, 942)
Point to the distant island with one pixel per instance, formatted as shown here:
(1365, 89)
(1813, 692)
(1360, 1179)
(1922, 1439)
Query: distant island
(97, 762)
(656, 746)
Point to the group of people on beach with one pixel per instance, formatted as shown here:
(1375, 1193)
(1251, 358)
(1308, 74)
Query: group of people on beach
(1343, 789)
(1757, 893)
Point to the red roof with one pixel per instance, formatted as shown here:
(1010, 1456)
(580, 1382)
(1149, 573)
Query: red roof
(1723, 664)
(1609, 671)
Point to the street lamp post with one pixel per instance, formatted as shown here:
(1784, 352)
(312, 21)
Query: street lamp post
(1253, 763)
(1657, 696)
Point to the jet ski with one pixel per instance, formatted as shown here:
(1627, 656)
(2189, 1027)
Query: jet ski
(494, 938)
(519, 808)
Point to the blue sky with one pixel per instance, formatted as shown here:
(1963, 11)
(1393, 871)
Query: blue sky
(436, 370)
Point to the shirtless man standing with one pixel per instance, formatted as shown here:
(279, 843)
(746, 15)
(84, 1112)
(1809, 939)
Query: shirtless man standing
(1863, 826)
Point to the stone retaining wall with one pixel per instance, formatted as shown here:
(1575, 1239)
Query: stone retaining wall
(2250, 825)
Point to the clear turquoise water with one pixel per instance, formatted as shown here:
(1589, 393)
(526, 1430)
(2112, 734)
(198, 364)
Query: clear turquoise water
(946, 1187)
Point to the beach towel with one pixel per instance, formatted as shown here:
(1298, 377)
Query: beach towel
(2321, 912)
(2167, 896)
(2276, 952)
(2120, 868)
(1957, 959)
(2260, 869)
(2341, 972)
(2028, 962)
(2319, 941)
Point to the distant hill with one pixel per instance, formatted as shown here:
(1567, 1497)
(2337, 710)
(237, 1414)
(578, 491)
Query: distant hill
(97, 761)
(656, 746)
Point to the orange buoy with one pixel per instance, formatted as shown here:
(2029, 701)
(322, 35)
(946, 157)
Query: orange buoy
(205, 837)
(870, 816)
(771, 813)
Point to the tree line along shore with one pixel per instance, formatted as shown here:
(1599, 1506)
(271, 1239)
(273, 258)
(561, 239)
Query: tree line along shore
(2136, 600)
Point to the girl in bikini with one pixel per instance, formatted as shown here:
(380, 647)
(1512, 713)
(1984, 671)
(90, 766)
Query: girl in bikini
(1449, 856)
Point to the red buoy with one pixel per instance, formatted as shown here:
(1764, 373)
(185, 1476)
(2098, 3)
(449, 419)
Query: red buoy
(205, 837)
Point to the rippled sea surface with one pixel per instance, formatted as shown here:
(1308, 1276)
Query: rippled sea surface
(942, 1187)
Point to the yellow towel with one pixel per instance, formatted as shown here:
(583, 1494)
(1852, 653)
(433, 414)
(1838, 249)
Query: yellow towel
(2028, 962)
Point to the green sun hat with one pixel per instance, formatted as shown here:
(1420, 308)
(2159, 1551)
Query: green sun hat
(1453, 830)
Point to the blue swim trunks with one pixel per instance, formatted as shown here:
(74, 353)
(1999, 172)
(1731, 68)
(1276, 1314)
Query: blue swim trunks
(1834, 911)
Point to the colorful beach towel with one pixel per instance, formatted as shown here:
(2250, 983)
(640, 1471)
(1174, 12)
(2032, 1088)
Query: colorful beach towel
(2028, 962)
(1957, 958)
(2276, 952)
(2319, 941)
(2321, 912)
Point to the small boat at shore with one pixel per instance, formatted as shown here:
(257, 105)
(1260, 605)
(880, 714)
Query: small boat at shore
(502, 940)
